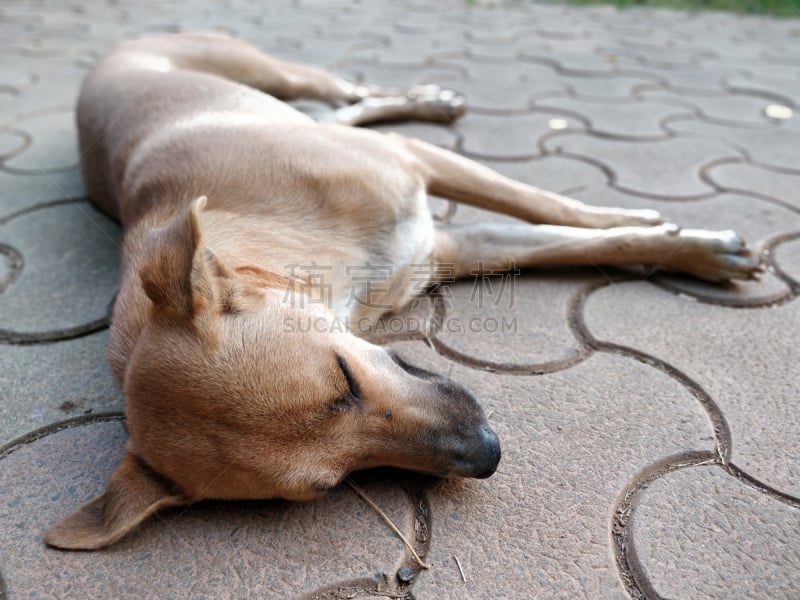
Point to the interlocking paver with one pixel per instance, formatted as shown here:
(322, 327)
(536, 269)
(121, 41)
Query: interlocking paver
(629, 120)
(667, 168)
(745, 537)
(12, 141)
(22, 191)
(634, 108)
(668, 56)
(209, 550)
(787, 255)
(502, 138)
(621, 85)
(576, 57)
(44, 383)
(54, 146)
(511, 322)
(504, 86)
(778, 87)
(403, 74)
(702, 341)
(71, 270)
(51, 78)
(572, 439)
(421, 44)
(697, 79)
(771, 146)
(739, 176)
(729, 109)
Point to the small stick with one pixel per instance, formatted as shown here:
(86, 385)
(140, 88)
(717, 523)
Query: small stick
(363, 495)
(460, 570)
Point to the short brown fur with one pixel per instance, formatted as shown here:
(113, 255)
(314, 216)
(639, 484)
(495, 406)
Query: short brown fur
(221, 187)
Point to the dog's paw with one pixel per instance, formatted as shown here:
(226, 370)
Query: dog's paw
(433, 103)
(719, 256)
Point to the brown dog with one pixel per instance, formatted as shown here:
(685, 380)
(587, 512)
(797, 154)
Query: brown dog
(221, 187)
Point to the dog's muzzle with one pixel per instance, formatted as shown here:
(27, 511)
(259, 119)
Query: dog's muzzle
(488, 456)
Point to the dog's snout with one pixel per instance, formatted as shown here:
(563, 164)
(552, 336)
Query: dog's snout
(487, 462)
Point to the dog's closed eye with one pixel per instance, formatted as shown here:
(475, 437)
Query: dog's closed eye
(351, 398)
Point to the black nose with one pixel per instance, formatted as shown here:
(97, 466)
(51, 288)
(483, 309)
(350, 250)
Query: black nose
(486, 465)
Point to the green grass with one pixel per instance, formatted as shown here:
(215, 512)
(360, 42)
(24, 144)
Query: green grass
(777, 8)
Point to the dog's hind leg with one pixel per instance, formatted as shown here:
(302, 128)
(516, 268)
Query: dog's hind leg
(482, 247)
(239, 61)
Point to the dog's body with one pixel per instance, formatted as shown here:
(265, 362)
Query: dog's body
(224, 191)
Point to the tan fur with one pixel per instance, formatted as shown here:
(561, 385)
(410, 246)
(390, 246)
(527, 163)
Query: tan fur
(221, 187)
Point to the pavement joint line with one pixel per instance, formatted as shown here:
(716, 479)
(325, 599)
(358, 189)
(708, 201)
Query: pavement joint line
(705, 175)
(677, 56)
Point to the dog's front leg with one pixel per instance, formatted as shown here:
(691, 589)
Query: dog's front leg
(711, 255)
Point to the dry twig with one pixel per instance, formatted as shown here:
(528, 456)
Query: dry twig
(363, 495)
(460, 570)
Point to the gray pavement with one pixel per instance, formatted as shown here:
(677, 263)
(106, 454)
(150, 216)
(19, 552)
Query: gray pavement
(649, 425)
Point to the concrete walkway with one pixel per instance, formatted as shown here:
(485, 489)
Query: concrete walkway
(650, 427)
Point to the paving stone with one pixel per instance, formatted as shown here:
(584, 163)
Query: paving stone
(650, 36)
(14, 80)
(701, 534)
(787, 256)
(622, 85)
(727, 109)
(71, 254)
(318, 50)
(704, 341)
(726, 49)
(746, 178)
(666, 168)
(12, 141)
(438, 42)
(786, 88)
(403, 75)
(10, 266)
(55, 81)
(570, 442)
(770, 146)
(757, 221)
(630, 120)
(539, 527)
(506, 138)
(579, 57)
(566, 27)
(54, 143)
(501, 86)
(211, 550)
(24, 191)
(697, 79)
(45, 383)
(764, 67)
(512, 321)
(669, 55)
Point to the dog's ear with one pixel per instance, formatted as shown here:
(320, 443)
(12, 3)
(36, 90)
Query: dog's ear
(176, 273)
(133, 494)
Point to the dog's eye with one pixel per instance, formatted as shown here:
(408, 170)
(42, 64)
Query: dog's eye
(352, 396)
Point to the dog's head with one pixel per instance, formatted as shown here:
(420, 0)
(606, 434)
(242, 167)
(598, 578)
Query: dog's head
(225, 401)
